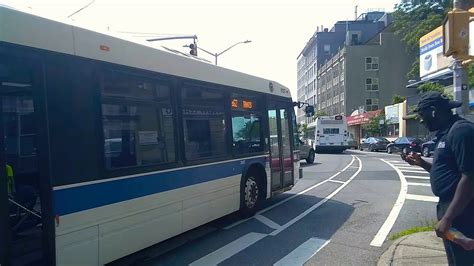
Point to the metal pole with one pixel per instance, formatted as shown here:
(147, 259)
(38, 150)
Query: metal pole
(215, 56)
(459, 81)
(459, 72)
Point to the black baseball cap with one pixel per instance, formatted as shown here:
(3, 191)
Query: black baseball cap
(437, 100)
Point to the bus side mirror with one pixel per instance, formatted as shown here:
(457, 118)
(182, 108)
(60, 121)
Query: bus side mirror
(309, 110)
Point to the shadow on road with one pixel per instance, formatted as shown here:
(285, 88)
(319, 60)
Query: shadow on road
(321, 223)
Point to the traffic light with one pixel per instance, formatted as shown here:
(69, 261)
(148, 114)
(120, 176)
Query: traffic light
(193, 50)
(456, 33)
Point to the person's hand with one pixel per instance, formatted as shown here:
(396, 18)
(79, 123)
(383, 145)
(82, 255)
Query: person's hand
(442, 227)
(465, 243)
(413, 159)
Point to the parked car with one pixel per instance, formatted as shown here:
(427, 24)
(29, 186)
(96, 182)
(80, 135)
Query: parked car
(374, 144)
(405, 145)
(428, 147)
(306, 150)
(351, 142)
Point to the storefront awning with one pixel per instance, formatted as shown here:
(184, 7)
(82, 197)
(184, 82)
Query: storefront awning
(362, 118)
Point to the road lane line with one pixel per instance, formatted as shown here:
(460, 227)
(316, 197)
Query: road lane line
(267, 221)
(409, 168)
(422, 198)
(392, 217)
(419, 184)
(308, 189)
(317, 205)
(292, 197)
(229, 250)
(418, 177)
(413, 171)
(336, 181)
(303, 253)
(237, 223)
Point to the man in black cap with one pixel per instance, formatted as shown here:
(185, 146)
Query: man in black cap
(451, 173)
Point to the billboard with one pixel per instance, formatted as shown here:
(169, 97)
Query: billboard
(431, 53)
(392, 113)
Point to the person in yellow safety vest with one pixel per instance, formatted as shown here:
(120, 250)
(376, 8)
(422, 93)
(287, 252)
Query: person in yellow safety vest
(10, 180)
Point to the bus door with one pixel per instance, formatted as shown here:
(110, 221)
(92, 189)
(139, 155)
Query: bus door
(279, 119)
(25, 218)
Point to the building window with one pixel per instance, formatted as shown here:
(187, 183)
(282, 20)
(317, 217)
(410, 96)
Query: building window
(327, 49)
(203, 122)
(372, 84)
(372, 104)
(137, 121)
(246, 131)
(371, 63)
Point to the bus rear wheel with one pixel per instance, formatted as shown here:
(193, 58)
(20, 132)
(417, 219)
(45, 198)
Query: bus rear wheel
(251, 196)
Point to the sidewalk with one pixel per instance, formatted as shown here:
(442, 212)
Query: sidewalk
(416, 249)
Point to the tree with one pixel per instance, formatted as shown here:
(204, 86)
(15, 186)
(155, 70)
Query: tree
(398, 99)
(302, 129)
(430, 86)
(319, 114)
(415, 18)
(375, 127)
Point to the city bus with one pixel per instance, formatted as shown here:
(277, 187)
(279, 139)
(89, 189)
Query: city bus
(329, 133)
(111, 145)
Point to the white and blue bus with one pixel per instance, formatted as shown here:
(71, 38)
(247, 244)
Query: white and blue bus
(112, 146)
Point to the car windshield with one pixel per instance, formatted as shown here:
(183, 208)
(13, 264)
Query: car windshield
(381, 139)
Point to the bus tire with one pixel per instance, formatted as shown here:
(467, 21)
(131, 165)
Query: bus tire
(310, 158)
(251, 195)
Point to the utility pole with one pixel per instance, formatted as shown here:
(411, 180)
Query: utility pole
(460, 77)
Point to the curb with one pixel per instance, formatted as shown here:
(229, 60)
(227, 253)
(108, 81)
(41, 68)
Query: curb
(422, 248)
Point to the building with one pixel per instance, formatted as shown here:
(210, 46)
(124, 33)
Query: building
(362, 78)
(325, 43)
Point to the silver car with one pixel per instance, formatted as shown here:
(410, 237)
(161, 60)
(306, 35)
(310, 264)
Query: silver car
(306, 150)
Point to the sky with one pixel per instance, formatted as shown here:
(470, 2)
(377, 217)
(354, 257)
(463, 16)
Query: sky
(278, 29)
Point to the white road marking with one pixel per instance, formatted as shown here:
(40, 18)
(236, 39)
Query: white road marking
(336, 181)
(229, 250)
(413, 171)
(392, 217)
(237, 223)
(292, 197)
(419, 184)
(303, 253)
(418, 177)
(308, 189)
(267, 221)
(422, 198)
(317, 205)
(410, 168)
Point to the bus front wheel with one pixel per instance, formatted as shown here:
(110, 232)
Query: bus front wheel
(251, 195)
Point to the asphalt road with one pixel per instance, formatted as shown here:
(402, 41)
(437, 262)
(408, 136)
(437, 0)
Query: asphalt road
(340, 213)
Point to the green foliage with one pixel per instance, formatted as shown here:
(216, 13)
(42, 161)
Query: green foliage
(302, 129)
(470, 75)
(426, 226)
(410, 231)
(430, 86)
(374, 128)
(398, 99)
(415, 18)
(319, 114)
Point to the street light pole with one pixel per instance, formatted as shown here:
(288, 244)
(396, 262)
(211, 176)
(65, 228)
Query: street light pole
(218, 54)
